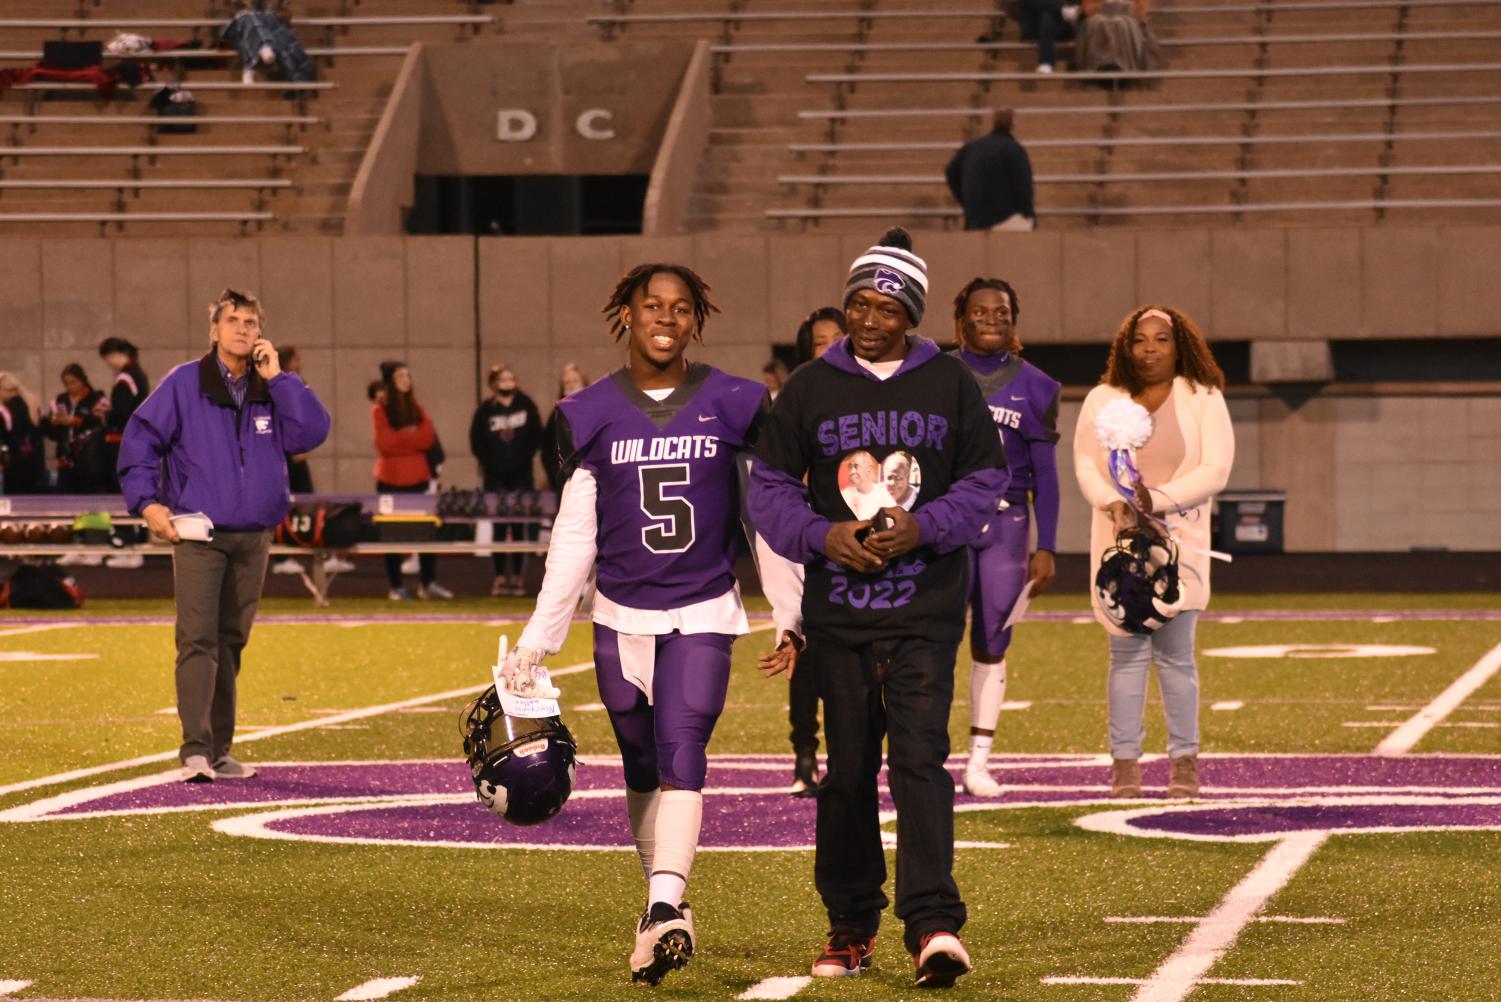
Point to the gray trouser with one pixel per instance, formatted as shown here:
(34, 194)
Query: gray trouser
(1172, 648)
(218, 587)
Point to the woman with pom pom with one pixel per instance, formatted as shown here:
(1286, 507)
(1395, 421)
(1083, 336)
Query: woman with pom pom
(1161, 361)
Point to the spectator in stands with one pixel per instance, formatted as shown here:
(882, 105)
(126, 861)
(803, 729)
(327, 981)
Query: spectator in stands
(1114, 36)
(404, 439)
(299, 475)
(186, 451)
(991, 178)
(1047, 22)
(774, 374)
(126, 393)
(823, 328)
(504, 436)
(75, 427)
(264, 41)
(23, 458)
(570, 381)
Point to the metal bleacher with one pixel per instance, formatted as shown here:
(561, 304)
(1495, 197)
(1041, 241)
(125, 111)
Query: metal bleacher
(1285, 112)
(266, 156)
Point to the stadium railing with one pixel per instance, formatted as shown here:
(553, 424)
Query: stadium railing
(954, 213)
(33, 91)
(1139, 177)
(1090, 142)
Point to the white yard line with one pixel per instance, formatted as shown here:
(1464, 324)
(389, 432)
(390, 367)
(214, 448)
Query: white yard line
(1192, 919)
(1402, 740)
(1247, 982)
(11, 987)
(271, 732)
(776, 988)
(376, 988)
(1185, 969)
(1227, 705)
(16, 631)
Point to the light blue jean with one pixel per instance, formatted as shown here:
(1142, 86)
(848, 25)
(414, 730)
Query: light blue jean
(1172, 648)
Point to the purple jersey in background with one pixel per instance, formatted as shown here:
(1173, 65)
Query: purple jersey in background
(668, 505)
(1023, 400)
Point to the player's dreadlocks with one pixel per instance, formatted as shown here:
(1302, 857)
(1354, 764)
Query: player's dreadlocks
(1195, 361)
(638, 278)
(961, 304)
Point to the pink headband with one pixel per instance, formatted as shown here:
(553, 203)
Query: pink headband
(1154, 313)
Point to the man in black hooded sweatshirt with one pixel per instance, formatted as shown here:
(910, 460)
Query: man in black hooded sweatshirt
(883, 605)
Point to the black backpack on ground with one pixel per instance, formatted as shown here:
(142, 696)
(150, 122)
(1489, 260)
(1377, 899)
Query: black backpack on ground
(40, 586)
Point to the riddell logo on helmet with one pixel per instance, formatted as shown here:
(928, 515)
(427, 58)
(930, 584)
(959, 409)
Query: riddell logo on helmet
(530, 748)
(888, 282)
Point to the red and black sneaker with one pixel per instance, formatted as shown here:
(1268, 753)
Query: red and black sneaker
(845, 954)
(940, 959)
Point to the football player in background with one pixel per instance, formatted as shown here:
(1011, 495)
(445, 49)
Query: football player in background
(1023, 400)
(650, 456)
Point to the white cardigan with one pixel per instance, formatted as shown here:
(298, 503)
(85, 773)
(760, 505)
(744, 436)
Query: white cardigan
(1208, 454)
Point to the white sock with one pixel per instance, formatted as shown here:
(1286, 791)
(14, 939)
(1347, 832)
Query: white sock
(680, 815)
(642, 807)
(979, 750)
(987, 691)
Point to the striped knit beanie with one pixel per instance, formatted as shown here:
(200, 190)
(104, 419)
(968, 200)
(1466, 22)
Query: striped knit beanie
(891, 269)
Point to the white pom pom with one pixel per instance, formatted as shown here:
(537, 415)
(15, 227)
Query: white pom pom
(1123, 424)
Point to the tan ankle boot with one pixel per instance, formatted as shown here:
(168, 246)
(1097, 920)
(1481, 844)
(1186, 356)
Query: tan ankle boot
(1125, 777)
(1184, 780)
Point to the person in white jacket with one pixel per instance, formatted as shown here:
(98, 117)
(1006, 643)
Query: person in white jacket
(1161, 360)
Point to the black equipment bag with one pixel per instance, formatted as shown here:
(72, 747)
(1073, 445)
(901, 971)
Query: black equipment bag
(322, 526)
(40, 586)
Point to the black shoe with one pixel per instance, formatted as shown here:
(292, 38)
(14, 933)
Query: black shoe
(805, 775)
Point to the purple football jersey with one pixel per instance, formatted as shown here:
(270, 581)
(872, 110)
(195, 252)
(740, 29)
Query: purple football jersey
(668, 508)
(1023, 400)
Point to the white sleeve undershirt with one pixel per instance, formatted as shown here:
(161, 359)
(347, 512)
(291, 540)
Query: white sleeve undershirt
(570, 557)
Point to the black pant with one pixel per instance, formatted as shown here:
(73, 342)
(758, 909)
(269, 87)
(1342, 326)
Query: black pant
(901, 689)
(1042, 21)
(802, 707)
(427, 562)
(507, 564)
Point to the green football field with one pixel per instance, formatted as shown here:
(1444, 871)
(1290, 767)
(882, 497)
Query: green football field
(359, 866)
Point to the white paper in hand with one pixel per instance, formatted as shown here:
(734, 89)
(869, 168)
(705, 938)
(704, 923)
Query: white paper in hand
(194, 525)
(1020, 608)
(523, 692)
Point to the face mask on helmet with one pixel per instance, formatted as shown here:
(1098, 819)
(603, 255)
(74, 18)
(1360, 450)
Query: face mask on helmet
(522, 766)
(1137, 583)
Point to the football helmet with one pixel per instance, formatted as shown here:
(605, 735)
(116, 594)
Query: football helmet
(522, 766)
(1137, 583)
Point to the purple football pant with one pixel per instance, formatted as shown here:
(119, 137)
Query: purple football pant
(665, 741)
(997, 575)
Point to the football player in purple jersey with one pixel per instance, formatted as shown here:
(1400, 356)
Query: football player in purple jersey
(651, 467)
(1023, 400)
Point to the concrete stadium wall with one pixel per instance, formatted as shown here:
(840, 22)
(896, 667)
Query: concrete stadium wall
(1384, 470)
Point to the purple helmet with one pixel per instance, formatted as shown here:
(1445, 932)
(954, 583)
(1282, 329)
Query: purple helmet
(522, 766)
(1137, 583)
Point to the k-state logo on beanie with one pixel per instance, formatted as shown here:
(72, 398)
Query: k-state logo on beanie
(888, 282)
(891, 269)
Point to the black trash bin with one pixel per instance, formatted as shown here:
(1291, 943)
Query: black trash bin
(1249, 521)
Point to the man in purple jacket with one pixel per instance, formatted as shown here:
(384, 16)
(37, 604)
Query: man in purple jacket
(212, 440)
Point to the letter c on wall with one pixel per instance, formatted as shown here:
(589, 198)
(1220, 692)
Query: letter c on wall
(585, 124)
(515, 125)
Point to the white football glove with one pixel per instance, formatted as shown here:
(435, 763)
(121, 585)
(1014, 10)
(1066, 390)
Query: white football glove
(525, 677)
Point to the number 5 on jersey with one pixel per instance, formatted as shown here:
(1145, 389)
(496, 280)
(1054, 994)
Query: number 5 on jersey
(673, 514)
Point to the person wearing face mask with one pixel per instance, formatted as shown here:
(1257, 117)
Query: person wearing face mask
(1160, 360)
(1023, 401)
(883, 606)
(504, 436)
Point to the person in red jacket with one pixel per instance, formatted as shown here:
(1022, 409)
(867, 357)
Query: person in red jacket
(405, 442)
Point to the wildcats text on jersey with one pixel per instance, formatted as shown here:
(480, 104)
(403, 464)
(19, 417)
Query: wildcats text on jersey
(1006, 417)
(641, 450)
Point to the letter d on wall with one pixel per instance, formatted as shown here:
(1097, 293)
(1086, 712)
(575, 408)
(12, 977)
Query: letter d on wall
(515, 125)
